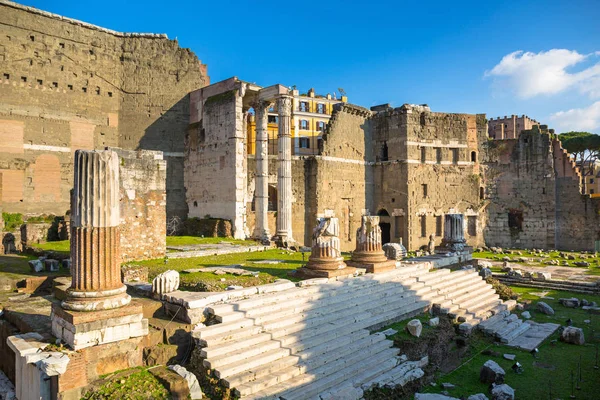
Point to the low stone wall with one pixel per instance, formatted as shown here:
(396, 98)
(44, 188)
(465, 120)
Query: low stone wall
(571, 286)
(208, 227)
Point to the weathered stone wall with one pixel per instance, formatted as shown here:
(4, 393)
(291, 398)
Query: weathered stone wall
(143, 204)
(427, 165)
(67, 85)
(215, 157)
(535, 195)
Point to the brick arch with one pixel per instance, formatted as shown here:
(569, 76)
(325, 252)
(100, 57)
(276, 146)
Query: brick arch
(46, 178)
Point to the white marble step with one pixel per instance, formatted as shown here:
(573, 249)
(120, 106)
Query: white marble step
(509, 336)
(308, 385)
(332, 374)
(477, 295)
(328, 321)
(311, 303)
(249, 383)
(300, 292)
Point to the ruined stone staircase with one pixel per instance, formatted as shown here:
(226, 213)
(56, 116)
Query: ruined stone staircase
(314, 340)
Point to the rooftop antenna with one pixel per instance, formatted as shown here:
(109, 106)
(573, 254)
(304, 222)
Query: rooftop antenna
(342, 91)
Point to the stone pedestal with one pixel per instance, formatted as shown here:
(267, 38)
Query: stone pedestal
(81, 329)
(326, 258)
(454, 239)
(96, 310)
(369, 253)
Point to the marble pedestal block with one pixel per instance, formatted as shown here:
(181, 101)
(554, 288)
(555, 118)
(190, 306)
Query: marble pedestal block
(81, 329)
(369, 253)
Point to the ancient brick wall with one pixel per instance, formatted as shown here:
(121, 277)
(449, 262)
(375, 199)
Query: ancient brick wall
(427, 165)
(143, 204)
(67, 85)
(535, 195)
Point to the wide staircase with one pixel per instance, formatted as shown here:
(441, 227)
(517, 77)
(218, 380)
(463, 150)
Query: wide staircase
(314, 341)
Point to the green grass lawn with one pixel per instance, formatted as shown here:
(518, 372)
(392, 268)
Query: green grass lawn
(135, 384)
(207, 280)
(192, 240)
(61, 246)
(551, 371)
(540, 261)
(15, 266)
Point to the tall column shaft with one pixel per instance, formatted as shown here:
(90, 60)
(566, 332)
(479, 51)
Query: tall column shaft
(95, 246)
(261, 229)
(284, 170)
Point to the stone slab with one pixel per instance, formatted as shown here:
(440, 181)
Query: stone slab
(374, 268)
(534, 336)
(82, 317)
(307, 273)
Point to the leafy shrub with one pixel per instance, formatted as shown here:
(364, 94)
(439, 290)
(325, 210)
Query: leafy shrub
(505, 292)
(12, 222)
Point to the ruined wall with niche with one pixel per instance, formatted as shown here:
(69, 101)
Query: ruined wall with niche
(143, 204)
(427, 165)
(67, 85)
(215, 156)
(535, 195)
(343, 178)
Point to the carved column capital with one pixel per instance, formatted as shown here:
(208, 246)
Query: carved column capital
(284, 105)
(261, 110)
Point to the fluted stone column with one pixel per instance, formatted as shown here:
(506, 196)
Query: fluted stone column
(261, 228)
(454, 238)
(284, 172)
(95, 246)
(326, 257)
(326, 253)
(369, 252)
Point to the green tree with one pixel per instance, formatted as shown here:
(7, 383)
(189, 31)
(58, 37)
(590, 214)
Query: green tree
(584, 147)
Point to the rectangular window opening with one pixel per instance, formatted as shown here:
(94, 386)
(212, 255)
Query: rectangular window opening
(424, 186)
(423, 155)
(454, 156)
(438, 155)
(6, 76)
(423, 226)
(438, 226)
(399, 226)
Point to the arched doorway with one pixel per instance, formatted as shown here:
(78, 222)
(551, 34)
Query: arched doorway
(385, 225)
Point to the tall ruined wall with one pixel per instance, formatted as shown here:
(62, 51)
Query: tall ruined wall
(215, 159)
(143, 176)
(535, 195)
(67, 85)
(343, 174)
(427, 166)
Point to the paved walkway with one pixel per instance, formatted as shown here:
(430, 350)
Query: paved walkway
(201, 250)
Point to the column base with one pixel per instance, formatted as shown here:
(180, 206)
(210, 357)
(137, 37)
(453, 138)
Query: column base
(374, 268)
(284, 241)
(96, 301)
(86, 329)
(307, 273)
(263, 236)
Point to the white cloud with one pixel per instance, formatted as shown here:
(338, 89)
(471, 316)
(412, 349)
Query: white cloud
(578, 119)
(545, 73)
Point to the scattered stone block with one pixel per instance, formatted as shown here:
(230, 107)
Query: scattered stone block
(193, 385)
(491, 372)
(433, 396)
(51, 265)
(503, 392)
(573, 302)
(165, 282)
(519, 307)
(66, 264)
(233, 287)
(434, 321)
(414, 327)
(36, 266)
(544, 276)
(573, 335)
(545, 308)
(389, 332)
(485, 273)
(510, 357)
(394, 251)
(465, 328)
(526, 314)
(448, 386)
(478, 396)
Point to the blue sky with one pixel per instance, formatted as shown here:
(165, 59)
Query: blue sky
(454, 56)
